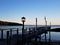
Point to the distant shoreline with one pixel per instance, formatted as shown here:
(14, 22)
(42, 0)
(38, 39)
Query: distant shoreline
(5, 23)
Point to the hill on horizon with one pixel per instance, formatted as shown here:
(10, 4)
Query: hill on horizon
(5, 23)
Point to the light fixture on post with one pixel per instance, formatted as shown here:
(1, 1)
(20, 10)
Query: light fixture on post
(23, 20)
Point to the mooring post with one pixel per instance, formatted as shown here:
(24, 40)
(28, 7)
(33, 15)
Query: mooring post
(40, 39)
(50, 34)
(7, 37)
(35, 32)
(17, 32)
(29, 31)
(49, 37)
(2, 34)
(17, 36)
(45, 39)
(7, 34)
(29, 34)
(45, 28)
(10, 32)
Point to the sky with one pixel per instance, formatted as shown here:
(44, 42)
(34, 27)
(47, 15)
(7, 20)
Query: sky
(13, 10)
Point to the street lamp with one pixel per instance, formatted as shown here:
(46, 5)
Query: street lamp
(23, 20)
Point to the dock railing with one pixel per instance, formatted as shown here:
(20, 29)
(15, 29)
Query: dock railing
(9, 31)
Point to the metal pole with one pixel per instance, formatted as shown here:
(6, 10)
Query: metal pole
(36, 23)
(23, 34)
(23, 28)
(35, 32)
(49, 34)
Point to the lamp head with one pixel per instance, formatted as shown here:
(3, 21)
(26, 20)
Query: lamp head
(23, 19)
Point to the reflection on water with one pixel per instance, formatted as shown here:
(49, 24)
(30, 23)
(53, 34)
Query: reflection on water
(55, 36)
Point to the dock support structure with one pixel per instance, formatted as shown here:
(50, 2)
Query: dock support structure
(49, 38)
(10, 35)
(35, 32)
(10, 32)
(7, 37)
(17, 36)
(40, 39)
(35, 40)
(2, 34)
(45, 39)
(35, 37)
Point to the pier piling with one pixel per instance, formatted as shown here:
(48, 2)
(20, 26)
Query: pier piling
(2, 34)
(45, 39)
(7, 37)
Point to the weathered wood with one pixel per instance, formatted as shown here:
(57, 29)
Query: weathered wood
(11, 32)
(7, 37)
(1, 34)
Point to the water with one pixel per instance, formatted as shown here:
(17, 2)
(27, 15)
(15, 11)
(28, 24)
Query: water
(55, 36)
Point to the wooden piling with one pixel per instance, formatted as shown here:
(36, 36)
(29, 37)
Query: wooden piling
(45, 39)
(40, 39)
(11, 32)
(17, 36)
(2, 34)
(49, 37)
(7, 37)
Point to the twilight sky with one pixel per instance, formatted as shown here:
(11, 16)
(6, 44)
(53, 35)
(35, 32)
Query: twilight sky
(13, 10)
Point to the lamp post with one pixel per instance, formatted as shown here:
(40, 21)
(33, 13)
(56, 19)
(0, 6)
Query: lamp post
(23, 20)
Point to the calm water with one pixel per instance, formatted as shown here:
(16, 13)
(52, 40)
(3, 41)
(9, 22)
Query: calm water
(55, 36)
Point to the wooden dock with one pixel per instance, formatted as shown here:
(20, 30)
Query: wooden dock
(27, 37)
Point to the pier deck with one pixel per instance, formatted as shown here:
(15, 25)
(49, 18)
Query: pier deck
(28, 36)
